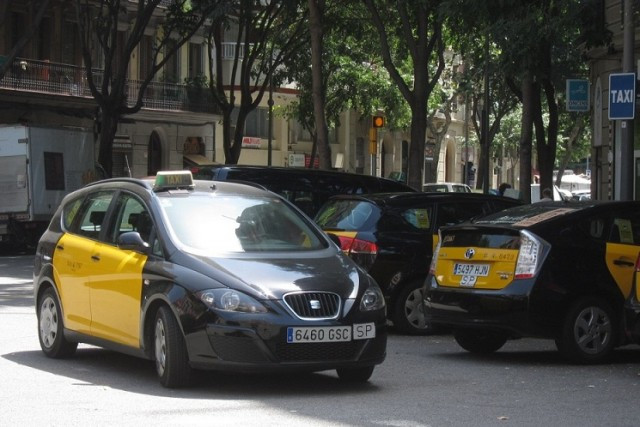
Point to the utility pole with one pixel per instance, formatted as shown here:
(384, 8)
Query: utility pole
(626, 126)
(485, 119)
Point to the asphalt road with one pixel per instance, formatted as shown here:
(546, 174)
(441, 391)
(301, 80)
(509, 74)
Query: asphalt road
(425, 381)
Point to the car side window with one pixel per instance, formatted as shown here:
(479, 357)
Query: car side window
(70, 212)
(625, 229)
(132, 215)
(93, 216)
(454, 213)
(419, 217)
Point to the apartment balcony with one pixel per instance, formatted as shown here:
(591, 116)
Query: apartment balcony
(28, 75)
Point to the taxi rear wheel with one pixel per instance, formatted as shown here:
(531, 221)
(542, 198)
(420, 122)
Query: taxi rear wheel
(171, 357)
(480, 341)
(588, 332)
(408, 313)
(356, 375)
(50, 327)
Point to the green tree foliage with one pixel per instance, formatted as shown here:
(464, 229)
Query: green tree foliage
(354, 77)
(539, 45)
(266, 35)
(410, 31)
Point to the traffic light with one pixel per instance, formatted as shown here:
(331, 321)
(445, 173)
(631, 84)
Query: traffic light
(378, 121)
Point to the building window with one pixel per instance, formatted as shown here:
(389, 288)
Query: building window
(70, 43)
(256, 124)
(18, 26)
(196, 64)
(171, 68)
(145, 57)
(53, 171)
(44, 39)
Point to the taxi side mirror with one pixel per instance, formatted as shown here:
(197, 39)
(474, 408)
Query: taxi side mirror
(335, 239)
(132, 241)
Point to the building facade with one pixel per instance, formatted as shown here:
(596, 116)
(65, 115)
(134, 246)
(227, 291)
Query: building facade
(46, 87)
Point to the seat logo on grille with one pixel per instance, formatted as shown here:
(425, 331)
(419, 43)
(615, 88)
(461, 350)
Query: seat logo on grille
(314, 304)
(469, 253)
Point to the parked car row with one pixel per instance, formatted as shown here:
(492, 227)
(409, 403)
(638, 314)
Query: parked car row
(195, 274)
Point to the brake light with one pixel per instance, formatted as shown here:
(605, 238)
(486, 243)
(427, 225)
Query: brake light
(528, 256)
(361, 251)
(434, 258)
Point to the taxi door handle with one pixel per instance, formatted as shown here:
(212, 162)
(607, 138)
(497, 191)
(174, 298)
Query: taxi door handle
(95, 257)
(623, 262)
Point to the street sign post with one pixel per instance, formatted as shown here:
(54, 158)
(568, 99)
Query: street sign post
(578, 95)
(622, 96)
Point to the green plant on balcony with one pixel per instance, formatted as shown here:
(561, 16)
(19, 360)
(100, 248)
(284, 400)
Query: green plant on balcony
(196, 86)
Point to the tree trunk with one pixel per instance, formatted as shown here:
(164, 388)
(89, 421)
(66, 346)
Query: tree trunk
(316, 9)
(526, 137)
(416, 147)
(109, 126)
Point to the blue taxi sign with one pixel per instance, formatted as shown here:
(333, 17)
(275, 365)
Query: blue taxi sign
(622, 96)
(168, 180)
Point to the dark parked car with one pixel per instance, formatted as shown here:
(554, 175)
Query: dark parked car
(308, 189)
(195, 275)
(556, 270)
(392, 236)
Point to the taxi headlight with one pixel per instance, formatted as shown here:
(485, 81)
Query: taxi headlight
(230, 300)
(372, 299)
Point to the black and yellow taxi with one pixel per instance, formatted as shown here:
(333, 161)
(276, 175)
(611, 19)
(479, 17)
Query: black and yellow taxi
(393, 235)
(557, 270)
(203, 275)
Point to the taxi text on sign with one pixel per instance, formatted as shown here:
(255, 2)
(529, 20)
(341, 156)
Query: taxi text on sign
(622, 96)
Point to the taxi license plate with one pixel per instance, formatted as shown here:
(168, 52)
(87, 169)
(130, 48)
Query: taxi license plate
(359, 331)
(471, 269)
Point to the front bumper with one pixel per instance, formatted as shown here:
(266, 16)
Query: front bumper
(260, 345)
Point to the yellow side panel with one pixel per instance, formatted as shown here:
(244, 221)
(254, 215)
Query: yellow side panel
(621, 259)
(116, 291)
(72, 266)
(501, 263)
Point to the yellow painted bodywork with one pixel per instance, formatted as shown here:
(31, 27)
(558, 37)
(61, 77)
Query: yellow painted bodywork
(502, 264)
(72, 268)
(100, 287)
(116, 291)
(621, 259)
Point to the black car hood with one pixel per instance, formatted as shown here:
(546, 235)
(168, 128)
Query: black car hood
(272, 277)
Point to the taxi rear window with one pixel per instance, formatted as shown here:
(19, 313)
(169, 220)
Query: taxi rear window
(495, 239)
(347, 215)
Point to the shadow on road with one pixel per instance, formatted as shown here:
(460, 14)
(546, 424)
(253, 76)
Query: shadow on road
(98, 367)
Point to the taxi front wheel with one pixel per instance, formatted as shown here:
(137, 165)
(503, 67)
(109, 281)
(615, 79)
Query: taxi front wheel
(172, 359)
(50, 327)
(588, 331)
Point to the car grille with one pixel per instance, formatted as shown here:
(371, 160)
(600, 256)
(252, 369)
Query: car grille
(309, 352)
(314, 305)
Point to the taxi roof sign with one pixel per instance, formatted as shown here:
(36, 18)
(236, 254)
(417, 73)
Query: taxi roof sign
(173, 180)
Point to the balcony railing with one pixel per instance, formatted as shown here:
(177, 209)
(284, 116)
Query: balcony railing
(68, 80)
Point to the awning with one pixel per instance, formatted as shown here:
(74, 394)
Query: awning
(197, 160)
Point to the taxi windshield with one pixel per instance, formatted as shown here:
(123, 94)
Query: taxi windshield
(209, 223)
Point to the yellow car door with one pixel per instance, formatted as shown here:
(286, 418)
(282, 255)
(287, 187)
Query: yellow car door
(72, 268)
(622, 251)
(116, 286)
